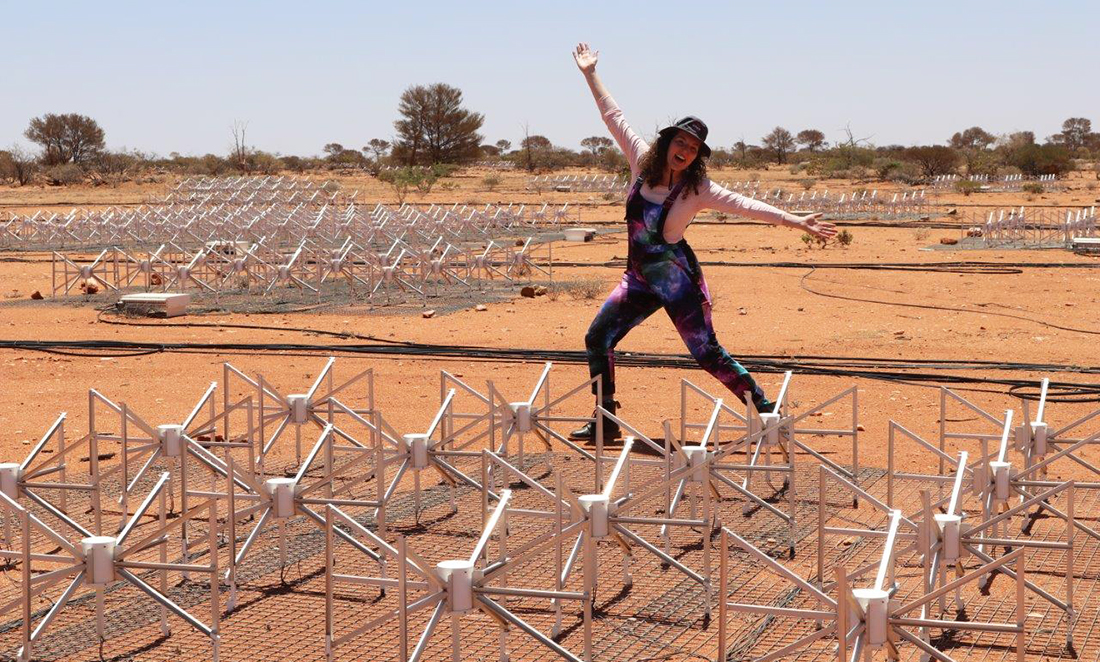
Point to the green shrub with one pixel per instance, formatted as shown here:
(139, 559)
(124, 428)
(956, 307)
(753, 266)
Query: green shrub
(810, 240)
(64, 174)
(585, 288)
(883, 169)
(966, 186)
(491, 182)
(844, 238)
(1033, 187)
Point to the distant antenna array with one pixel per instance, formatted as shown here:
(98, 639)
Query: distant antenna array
(1023, 228)
(255, 246)
(1013, 182)
(281, 218)
(205, 497)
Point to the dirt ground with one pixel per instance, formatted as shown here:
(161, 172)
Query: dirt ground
(1042, 314)
(757, 311)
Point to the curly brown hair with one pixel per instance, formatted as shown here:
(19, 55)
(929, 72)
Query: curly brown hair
(653, 163)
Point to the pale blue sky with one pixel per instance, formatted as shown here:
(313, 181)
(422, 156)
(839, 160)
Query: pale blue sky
(167, 77)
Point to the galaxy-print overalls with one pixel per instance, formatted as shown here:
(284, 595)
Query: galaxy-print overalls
(661, 275)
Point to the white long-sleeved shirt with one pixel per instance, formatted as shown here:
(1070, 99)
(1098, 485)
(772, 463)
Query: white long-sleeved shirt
(683, 211)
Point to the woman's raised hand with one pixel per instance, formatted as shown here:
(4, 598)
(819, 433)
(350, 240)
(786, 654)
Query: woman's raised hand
(813, 225)
(586, 58)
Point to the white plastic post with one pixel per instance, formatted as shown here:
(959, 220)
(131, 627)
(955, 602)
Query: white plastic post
(10, 475)
(171, 438)
(458, 575)
(298, 404)
(282, 493)
(99, 559)
(417, 444)
(596, 506)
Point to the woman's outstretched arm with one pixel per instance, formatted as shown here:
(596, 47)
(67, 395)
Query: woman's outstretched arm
(724, 200)
(633, 146)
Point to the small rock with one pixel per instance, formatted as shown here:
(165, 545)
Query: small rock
(948, 241)
(540, 291)
(427, 313)
(155, 279)
(801, 310)
(36, 295)
(952, 212)
(860, 428)
(519, 242)
(742, 311)
(527, 291)
(481, 307)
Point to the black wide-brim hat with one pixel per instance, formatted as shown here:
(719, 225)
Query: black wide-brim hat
(692, 126)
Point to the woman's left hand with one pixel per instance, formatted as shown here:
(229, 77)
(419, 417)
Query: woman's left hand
(817, 228)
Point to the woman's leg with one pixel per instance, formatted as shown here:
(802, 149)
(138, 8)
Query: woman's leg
(628, 305)
(688, 305)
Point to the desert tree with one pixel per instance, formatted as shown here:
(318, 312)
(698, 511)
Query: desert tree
(597, 144)
(264, 163)
(536, 148)
(973, 145)
(295, 163)
(378, 147)
(7, 168)
(1034, 160)
(933, 160)
(779, 143)
(21, 165)
(434, 127)
(811, 139)
(340, 156)
(504, 145)
(66, 138)
(114, 167)
(1076, 133)
(1008, 144)
(742, 149)
(973, 138)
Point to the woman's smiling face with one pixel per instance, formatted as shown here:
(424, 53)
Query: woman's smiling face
(682, 150)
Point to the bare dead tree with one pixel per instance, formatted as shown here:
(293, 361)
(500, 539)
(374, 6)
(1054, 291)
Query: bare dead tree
(527, 146)
(852, 141)
(239, 154)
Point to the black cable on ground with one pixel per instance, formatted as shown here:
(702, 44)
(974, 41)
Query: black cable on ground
(961, 266)
(831, 361)
(928, 306)
(100, 348)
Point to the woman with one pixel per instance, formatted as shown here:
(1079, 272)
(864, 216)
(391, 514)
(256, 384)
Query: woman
(670, 188)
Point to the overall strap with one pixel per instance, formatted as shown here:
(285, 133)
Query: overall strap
(635, 191)
(666, 206)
